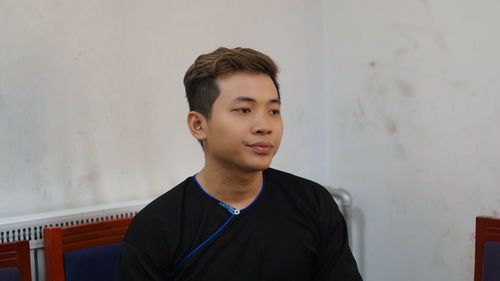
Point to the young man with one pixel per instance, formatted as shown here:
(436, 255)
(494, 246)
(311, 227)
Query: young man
(238, 219)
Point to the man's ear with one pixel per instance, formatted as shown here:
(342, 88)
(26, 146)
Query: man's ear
(197, 124)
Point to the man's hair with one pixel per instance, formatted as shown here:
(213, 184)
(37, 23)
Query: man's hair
(200, 79)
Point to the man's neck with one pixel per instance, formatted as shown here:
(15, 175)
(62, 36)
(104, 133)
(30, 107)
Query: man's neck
(235, 188)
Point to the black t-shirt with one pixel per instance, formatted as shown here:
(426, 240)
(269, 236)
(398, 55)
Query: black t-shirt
(292, 231)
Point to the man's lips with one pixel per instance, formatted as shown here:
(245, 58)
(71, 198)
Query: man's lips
(261, 147)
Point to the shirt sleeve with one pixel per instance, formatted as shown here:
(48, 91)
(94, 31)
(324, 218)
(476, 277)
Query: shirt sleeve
(135, 265)
(335, 260)
(145, 251)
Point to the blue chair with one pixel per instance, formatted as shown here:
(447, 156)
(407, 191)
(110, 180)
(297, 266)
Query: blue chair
(15, 261)
(84, 252)
(487, 260)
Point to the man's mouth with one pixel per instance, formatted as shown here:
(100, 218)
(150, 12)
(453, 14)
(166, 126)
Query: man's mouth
(261, 147)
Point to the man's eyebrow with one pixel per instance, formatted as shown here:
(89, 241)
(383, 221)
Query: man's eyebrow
(248, 99)
(244, 99)
(277, 101)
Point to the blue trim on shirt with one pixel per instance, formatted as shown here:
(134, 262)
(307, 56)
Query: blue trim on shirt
(224, 204)
(233, 214)
(176, 268)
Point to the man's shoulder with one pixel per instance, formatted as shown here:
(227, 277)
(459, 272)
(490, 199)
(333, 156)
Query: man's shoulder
(290, 180)
(167, 200)
(163, 210)
(296, 184)
(311, 197)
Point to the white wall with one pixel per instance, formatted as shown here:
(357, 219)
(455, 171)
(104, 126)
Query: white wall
(415, 129)
(394, 100)
(92, 106)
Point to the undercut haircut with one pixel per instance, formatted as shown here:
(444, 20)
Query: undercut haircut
(200, 80)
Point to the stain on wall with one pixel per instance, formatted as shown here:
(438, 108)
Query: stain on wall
(404, 88)
(391, 126)
(426, 6)
(360, 107)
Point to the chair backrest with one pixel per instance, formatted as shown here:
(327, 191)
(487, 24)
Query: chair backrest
(487, 258)
(84, 252)
(15, 261)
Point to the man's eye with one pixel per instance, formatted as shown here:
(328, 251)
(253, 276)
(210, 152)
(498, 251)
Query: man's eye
(242, 110)
(275, 112)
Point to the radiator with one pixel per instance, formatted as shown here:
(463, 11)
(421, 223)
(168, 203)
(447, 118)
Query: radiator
(30, 227)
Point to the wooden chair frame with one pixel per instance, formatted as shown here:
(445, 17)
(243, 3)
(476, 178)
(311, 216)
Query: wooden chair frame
(60, 240)
(16, 254)
(487, 229)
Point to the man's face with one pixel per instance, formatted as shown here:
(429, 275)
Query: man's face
(245, 128)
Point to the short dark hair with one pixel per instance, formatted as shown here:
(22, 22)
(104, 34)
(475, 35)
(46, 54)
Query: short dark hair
(200, 79)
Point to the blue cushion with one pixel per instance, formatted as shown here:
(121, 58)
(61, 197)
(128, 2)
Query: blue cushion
(491, 264)
(10, 274)
(99, 263)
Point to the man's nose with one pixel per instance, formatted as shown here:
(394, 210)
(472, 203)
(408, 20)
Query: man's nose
(262, 125)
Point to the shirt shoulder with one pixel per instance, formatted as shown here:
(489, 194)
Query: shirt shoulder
(165, 204)
(303, 194)
(300, 186)
(150, 225)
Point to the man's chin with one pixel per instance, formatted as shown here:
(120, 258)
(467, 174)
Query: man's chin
(260, 167)
(257, 165)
